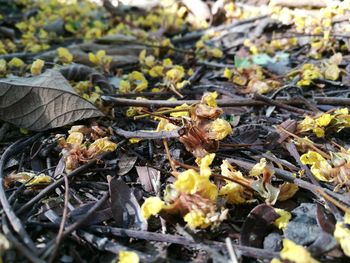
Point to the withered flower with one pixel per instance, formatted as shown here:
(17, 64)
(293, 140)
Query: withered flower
(203, 130)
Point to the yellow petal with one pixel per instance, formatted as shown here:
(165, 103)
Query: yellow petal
(216, 53)
(175, 74)
(142, 56)
(136, 75)
(142, 86)
(296, 253)
(150, 61)
(37, 66)
(187, 181)
(128, 257)
(75, 138)
(92, 58)
(156, 71)
(207, 189)
(219, 129)
(124, 86)
(195, 219)
(311, 157)
(23, 177)
(318, 170)
(227, 73)
(151, 206)
(342, 234)
(103, 145)
(165, 125)
(258, 168)
(343, 111)
(324, 119)
(100, 54)
(282, 221)
(287, 190)
(332, 72)
(319, 132)
(16, 63)
(3, 65)
(40, 179)
(167, 62)
(181, 113)
(134, 140)
(209, 98)
(64, 55)
(233, 193)
(204, 164)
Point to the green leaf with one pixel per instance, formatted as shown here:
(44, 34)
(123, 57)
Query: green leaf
(241, 62)
(261, 59)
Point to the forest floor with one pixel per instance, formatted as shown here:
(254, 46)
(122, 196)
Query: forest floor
(174, 131)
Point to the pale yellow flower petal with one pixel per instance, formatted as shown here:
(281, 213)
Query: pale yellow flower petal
(282, 221)
(128, 257)
(296, 253)
(151, 206)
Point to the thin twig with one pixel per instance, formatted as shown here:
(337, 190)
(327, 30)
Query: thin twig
(88, 214)
(64, 219)
(150, 135)
(175, 239)
(334, 101)
(280, 104)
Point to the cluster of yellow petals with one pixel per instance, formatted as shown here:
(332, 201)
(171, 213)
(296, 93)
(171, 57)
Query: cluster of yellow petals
(101, 59)
(188, 183)
(309, 72)
(316, 125)
(318, 165)
(151, 206)
(77, 150)
(64, 55)
(37, 67)
(192, 182)
(136, 82)
(196, 219)
(294, 253)
(337, 120)
(15, 62)
(233, 192)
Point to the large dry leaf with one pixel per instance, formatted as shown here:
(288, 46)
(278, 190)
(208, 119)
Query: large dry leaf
(42, 102)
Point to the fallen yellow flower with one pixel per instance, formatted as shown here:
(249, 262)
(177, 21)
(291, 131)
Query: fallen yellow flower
(342, 234)
(16, 63)
(318, 165)
(219, 129)
(64, 55)
(37, 67)
(75, 138)
(195, 219)
(128, 257)
(296, 253)
(151, 206)
(103, 145)
(209, 98)
(282, 221)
